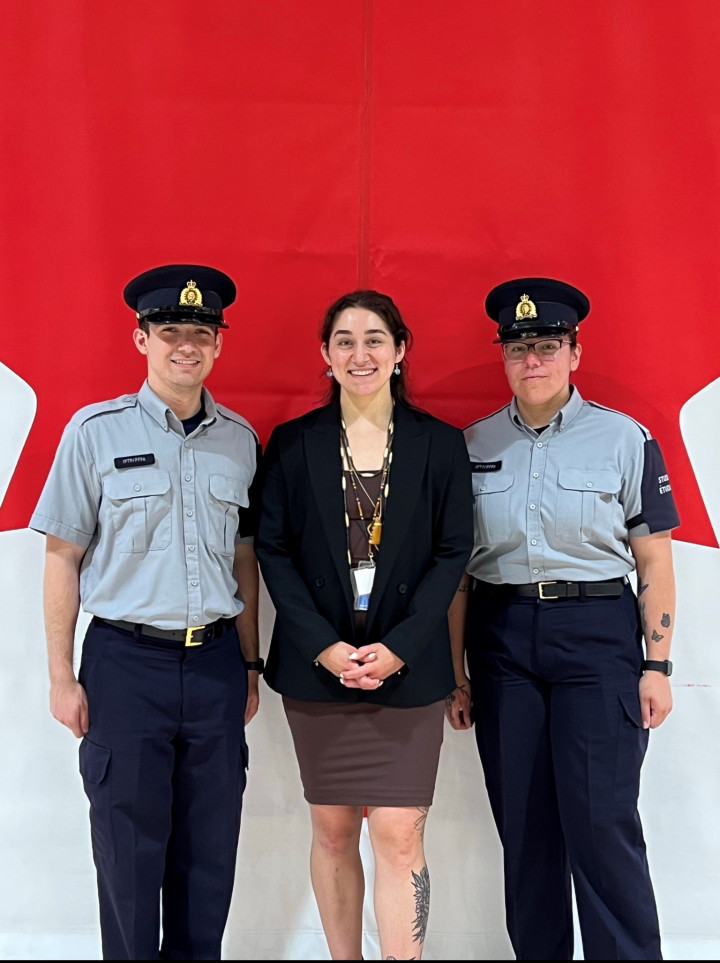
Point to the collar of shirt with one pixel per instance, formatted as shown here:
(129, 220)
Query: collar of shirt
(165, 417)
(563, 418)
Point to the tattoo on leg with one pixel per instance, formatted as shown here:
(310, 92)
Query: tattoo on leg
(656, 637)
(642, 587)
(419, 823)
(421, 882)
(665, 620)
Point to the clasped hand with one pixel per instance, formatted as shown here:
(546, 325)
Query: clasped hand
(365, 667)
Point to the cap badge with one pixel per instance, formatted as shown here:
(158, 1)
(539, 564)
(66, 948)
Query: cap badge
(525, 309)
(191, 295)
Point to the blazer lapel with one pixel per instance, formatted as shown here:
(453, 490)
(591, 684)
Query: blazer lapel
(410, 452)
(322, 452)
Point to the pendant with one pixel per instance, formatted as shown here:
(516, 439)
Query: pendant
(375, 532)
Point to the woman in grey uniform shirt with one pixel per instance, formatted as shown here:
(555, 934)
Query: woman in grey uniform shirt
(570, 499)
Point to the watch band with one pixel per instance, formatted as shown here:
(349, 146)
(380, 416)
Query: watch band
(665, 667)
(257, 665)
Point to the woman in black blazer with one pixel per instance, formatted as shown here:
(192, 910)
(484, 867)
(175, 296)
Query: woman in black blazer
(364, 533)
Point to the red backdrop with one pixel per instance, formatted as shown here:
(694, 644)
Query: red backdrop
(308, 147)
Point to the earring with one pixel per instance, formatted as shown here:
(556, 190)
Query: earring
(329, 373)
(397, 369)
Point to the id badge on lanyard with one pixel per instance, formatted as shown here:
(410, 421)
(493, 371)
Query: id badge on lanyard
(362, 579)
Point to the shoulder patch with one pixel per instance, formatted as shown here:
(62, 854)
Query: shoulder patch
(103, 408)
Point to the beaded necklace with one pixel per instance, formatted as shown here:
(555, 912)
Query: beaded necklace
(374, 529)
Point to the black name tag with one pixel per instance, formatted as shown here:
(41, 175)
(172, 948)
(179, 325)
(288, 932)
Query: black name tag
(132, 461)
(486, 465)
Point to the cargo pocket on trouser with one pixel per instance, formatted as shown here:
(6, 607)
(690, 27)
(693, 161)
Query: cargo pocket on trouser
(632, 745)
(96, 776)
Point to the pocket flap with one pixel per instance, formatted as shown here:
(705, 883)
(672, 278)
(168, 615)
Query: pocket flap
(590, 480)
(630, 701)
(94, 761)
(496, 481)
(137, 483)
(229, 489)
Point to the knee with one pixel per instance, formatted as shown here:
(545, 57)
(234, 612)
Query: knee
(334, 837)
(398, 844)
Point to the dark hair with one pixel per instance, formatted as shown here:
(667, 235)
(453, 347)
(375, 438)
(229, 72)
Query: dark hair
(385, 308)
(144, 325)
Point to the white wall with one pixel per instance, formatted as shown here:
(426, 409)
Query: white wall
(47, 890)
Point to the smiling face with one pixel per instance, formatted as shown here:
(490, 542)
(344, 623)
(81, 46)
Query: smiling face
(179, 356)
(542, 386)
(361, 352)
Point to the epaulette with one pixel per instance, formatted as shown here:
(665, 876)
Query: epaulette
(103, 408)
(621, 414)
(486, 417)
(238, 419)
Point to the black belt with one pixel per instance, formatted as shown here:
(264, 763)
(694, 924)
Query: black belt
(547, 591)
(192, 636)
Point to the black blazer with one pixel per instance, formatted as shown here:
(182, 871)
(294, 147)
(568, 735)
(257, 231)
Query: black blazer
(302, 549)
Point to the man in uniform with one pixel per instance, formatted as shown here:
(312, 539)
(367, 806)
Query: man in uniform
(570, 499)
(148, 513)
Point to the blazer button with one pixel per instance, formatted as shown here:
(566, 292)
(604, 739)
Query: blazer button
(320, 582)
(402, 588)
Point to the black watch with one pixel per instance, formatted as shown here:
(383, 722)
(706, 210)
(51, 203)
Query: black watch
(257, 665)
(665, 667)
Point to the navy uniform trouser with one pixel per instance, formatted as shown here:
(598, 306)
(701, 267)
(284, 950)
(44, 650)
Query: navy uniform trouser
(559, 729)
(163, 765)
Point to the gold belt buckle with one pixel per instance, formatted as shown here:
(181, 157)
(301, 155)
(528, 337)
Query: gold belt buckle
(189, 635)
(541, 590)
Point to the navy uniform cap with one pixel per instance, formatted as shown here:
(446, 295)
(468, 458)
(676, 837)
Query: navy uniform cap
(181, 294)
(533, 307)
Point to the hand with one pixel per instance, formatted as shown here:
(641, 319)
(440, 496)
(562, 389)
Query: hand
(339, 658)
(68, 704)
(458, 704)
(253, 697)
(655, 698)
(374, 664)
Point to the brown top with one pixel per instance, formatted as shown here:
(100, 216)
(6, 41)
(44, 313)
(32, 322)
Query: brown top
(359, 526)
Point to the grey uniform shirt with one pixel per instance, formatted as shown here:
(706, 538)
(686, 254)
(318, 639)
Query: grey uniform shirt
(159, 513)
(561, 504)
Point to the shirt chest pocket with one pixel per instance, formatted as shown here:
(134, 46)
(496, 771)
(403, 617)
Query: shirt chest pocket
(492, 493)
(227, 496)
(587, 504)
(140, 503)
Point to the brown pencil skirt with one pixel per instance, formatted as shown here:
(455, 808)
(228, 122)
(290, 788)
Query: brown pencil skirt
(366, 755)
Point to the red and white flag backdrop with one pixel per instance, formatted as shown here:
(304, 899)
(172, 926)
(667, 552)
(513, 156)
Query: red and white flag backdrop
(426, 149)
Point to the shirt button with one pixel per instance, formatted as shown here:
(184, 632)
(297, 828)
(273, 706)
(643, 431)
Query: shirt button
(189, 513)
(194, 582)
(532, 508)
(588, 484)
(191, 548)
(533, 541)
(188, 478)
(535, 571)
(195, 618)
(536, 474)
(137, 488)
(539, 444)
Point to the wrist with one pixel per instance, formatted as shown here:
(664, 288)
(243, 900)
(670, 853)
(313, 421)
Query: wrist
(663, 666)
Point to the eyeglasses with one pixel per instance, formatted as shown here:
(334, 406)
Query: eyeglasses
(545, 350)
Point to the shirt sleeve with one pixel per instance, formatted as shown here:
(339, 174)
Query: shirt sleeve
(248, 517)
(68, 505)
(651, 507)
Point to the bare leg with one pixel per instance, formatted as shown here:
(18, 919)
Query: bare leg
(402, 883)
(337, 877)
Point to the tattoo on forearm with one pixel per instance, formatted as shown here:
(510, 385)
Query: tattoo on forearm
(665, 620)
(656, 637)
(419, 823)
(642, 587)
(449, 699)
(464, 588)
(421, 882)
